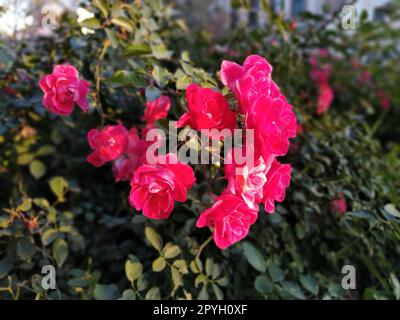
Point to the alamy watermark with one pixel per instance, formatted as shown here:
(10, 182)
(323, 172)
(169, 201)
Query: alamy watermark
(349, 17)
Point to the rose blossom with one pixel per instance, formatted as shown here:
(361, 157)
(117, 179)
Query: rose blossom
(246, 180)
(108, 144)
(126, 164)
(62, 89)
(207, 109)
(249, 81)
(338, 205)
(274, 122)
(155, 187)
(278, 179)
(231, 218)
(157, 109)
(325, 97)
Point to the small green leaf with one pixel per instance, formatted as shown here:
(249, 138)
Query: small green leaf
(102, 6)
(309, 284)
(49, 236)
(294, 289)
(124, 23)
(25, 159)
(152, 93)
(181, 265)
(218, 292)
(176, 277)
(59, 186)
(45, 150)
(37, 169)
(171, 251)
(137, 49)
(153, 294)
(161, 75)
(392, 210)
(396, 285)
(25, 248)
(91, 23)
(153, 237)
(25, 205)
(263, 285)
(128, 295)
(254, 257)
(160, 52)
(106, 292)
(275, 272)
(133, 270)
(159, 264)
(60, 251)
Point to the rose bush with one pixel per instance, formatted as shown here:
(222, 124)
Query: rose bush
(333, 189)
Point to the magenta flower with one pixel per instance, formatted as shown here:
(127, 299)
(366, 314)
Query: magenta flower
(157, 109)
(231, 218)
(278, 179)
(63, 89)
(274, 122)
(107, 144)
(207, 109)
(339, 204)
(155, 187)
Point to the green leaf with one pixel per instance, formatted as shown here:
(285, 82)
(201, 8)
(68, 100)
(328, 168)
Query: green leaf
(41, 202)
(102, 6)
(361, 214)
(45, 150)
(309, 283)
(392, 210)
(293, 289)
(153, 237)
(254, 257)
(137, 49)
(124, 23)
(183, 82)
(25, 205)
(133, 270)
(161, 75)
(176, 277)
(203, 295)
(263, 285)
(209, 266)
(91, 23)
(159, 264)
(218, 292)
(160, 52)
(171, 251)
(60, 251)
(275, 272)
(59, 186)
(25, 159)
(25, 248)
(181, 265)
(396, 285)
(153, 294)
(152, 93)
(124, 78)
(106, 292)
(128, 295)
(49, 236)
(37, 169)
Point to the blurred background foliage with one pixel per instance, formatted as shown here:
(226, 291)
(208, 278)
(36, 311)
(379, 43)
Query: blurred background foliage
(56, 209)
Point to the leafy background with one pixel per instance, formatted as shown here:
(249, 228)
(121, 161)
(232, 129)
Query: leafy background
(57, 209)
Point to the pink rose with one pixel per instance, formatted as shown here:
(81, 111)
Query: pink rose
(246, 180)
(278, 179)
(274, 122)
(157, 109)
(156, 187)
(231, 218)
(325, 98)
(249, 81)
(339, 204)
(383, 99)
(62, 89)
(108, 144)
(207, 109)
(124, 167)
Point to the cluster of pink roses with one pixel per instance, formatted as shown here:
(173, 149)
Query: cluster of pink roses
(157, 185)
(321, 75)
(267, 112)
